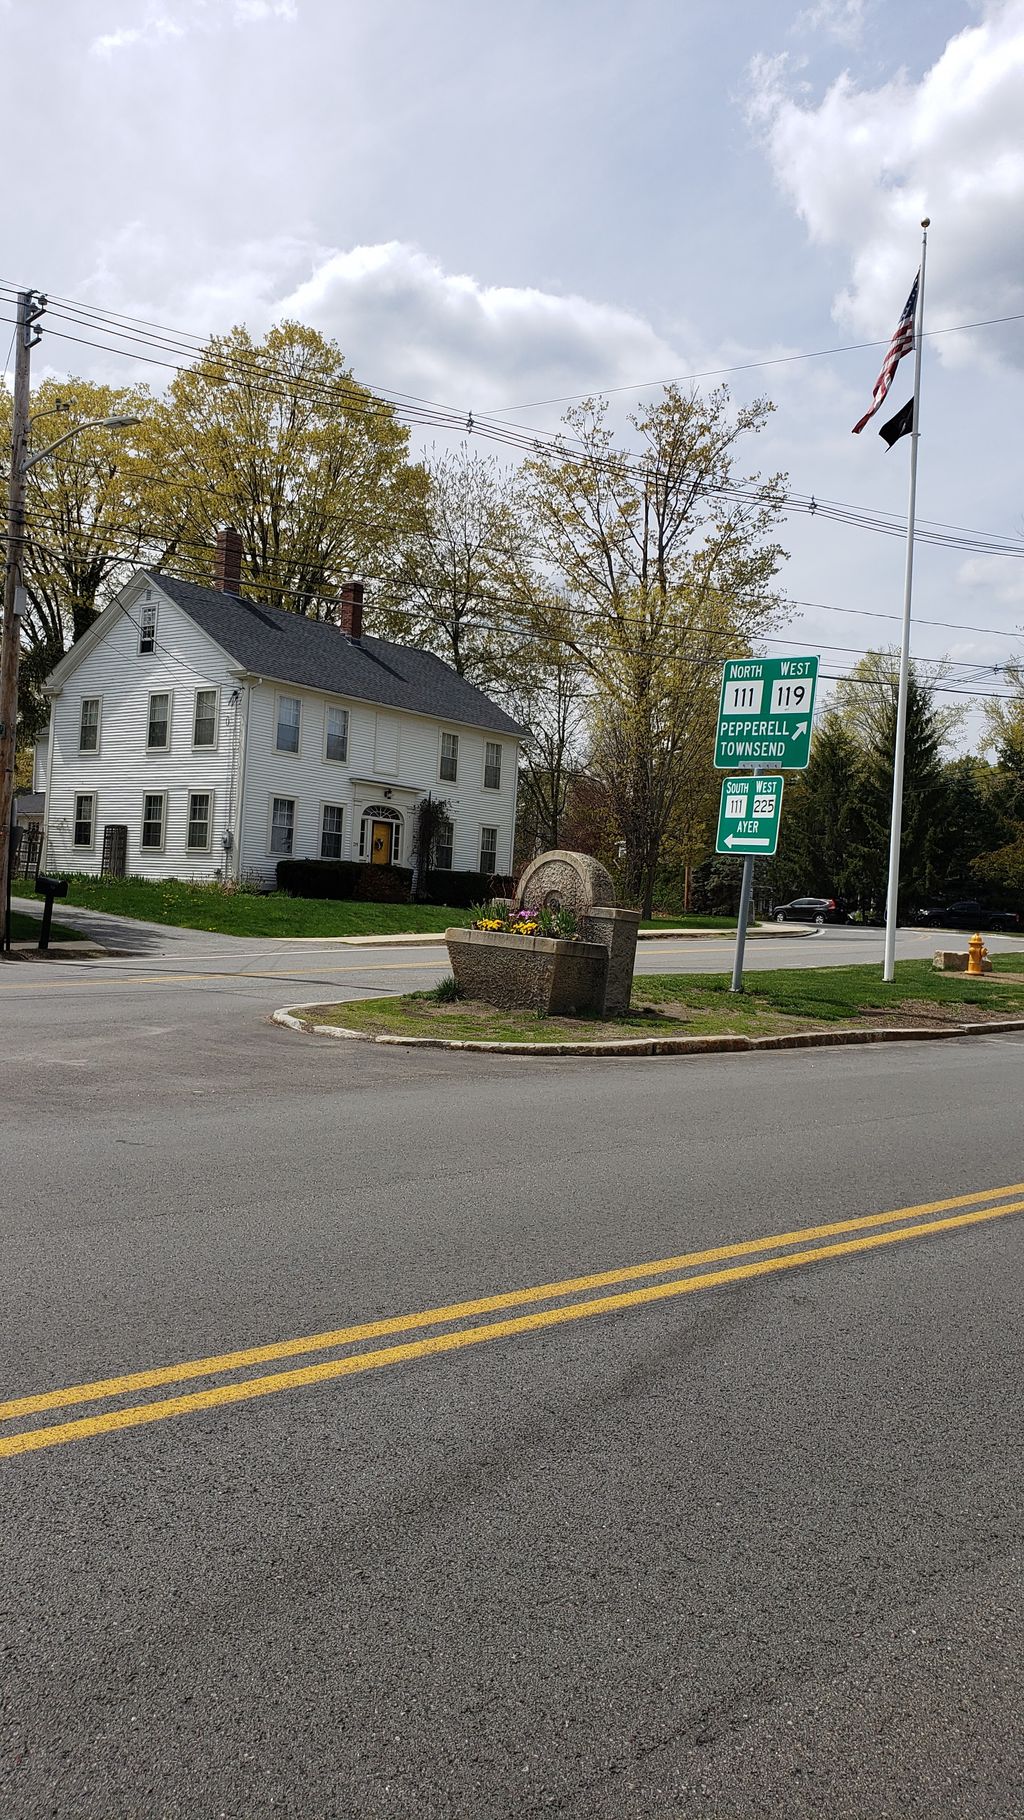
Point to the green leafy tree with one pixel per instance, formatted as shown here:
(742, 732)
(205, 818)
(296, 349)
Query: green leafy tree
(277, 438)
(91, 519)
(1002, 866)
(666, 562)
(454, 580)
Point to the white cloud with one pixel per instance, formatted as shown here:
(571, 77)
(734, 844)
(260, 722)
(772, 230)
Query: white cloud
(403, 321)
(999, 579)
(841, 19)
(862, 166)
(156, 29)
(450, 335)
(192, 16)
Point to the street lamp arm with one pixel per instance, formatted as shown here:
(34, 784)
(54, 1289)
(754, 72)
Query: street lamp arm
(92, 423)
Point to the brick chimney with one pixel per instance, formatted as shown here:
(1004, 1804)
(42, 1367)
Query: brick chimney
(352, 609)
(227, 561)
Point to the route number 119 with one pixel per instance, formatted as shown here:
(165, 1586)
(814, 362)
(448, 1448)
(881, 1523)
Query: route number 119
(789, 697)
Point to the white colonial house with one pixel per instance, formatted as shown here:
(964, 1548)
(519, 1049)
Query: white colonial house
(195, 734)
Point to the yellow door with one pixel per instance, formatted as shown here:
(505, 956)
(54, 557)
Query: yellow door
(380, 846)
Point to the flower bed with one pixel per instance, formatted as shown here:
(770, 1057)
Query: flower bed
(501, 919)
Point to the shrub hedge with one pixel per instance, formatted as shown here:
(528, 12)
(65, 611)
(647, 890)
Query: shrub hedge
(341, 878)
(460, 889)
(354, 880)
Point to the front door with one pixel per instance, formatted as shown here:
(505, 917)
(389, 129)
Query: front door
(380, 845)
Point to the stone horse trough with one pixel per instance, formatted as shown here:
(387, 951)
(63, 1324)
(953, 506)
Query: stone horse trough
(589, 975)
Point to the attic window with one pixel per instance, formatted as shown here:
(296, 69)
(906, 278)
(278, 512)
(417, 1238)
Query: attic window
(147, 627)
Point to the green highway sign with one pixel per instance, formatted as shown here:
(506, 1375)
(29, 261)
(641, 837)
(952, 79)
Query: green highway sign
(749, 816)
(765, 713)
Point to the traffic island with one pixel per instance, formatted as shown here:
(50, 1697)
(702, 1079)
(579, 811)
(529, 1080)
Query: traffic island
(695, 1014)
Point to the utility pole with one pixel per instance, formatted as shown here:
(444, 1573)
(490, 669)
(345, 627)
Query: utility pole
(30, 306)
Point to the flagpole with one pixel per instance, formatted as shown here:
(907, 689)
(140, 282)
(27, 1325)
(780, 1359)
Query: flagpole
(896, 830)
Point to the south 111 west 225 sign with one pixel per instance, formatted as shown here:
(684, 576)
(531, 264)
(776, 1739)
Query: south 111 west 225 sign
(765, 713)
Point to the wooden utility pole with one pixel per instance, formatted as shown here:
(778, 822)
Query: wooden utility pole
(30, 306)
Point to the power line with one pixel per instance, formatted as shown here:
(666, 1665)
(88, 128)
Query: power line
(426, 413)
(315, 559)
(747, 366)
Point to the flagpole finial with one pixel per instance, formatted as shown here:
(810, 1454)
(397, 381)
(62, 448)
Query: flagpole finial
(927, 222)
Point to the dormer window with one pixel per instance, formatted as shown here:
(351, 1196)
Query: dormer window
(147, 627)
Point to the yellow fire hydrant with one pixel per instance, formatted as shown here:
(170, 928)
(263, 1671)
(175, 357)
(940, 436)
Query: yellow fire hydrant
(977, 955)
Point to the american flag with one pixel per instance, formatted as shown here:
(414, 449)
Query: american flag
(901, 343)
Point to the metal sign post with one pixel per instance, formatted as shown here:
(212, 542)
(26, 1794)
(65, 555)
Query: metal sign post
(749, 815)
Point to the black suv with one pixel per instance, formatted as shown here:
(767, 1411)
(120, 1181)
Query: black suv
(969, 913)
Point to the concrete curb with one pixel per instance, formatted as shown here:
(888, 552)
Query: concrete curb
(58, 951)
(644, 1045)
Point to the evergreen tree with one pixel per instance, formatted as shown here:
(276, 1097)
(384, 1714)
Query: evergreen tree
(920, 851)
(819, 834)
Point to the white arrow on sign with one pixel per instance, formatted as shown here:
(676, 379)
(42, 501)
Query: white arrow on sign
(747, 840)
(802, 728)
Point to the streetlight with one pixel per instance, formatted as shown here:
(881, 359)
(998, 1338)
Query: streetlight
(91, 423)
(30, 307)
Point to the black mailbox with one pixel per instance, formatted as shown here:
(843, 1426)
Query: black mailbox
(51, 888)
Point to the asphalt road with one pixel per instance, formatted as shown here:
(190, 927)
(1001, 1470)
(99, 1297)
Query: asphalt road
(734, 1535)
(176, 974)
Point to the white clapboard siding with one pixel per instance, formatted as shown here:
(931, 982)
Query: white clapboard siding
(409, 742)
(123, 771)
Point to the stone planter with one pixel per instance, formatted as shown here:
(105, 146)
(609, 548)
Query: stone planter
(529, 972)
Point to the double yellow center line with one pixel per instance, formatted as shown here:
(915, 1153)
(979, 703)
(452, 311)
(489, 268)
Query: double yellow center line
(570, 1299)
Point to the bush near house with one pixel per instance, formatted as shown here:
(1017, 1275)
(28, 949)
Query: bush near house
(465, 888)
(344, 879)
(350, 879)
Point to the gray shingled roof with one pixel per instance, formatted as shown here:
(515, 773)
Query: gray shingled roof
(287, 648)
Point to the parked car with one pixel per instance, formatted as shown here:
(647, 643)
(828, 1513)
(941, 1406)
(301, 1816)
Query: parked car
(809, 910)
(968, 913)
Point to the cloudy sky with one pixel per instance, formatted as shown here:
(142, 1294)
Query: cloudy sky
(498, 206)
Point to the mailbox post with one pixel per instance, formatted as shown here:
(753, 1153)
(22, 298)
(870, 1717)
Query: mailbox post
(51, 888)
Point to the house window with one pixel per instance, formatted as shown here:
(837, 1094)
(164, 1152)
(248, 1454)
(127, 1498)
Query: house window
(158, 732)
(449, 758)
(204, 720)
(443, 849)
(331, 822)
(85, 820)
(200, 817)
(89, 725)
(282, 824)
(336, 735)
(492, 765)
(154, 814)
(488, 849)
(147, 626)
(289, 714)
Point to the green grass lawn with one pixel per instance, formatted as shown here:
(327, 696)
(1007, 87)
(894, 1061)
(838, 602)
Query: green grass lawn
(826, 995)
(689, 922)
(200, 906)
(26, 929)
(775, 1002)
